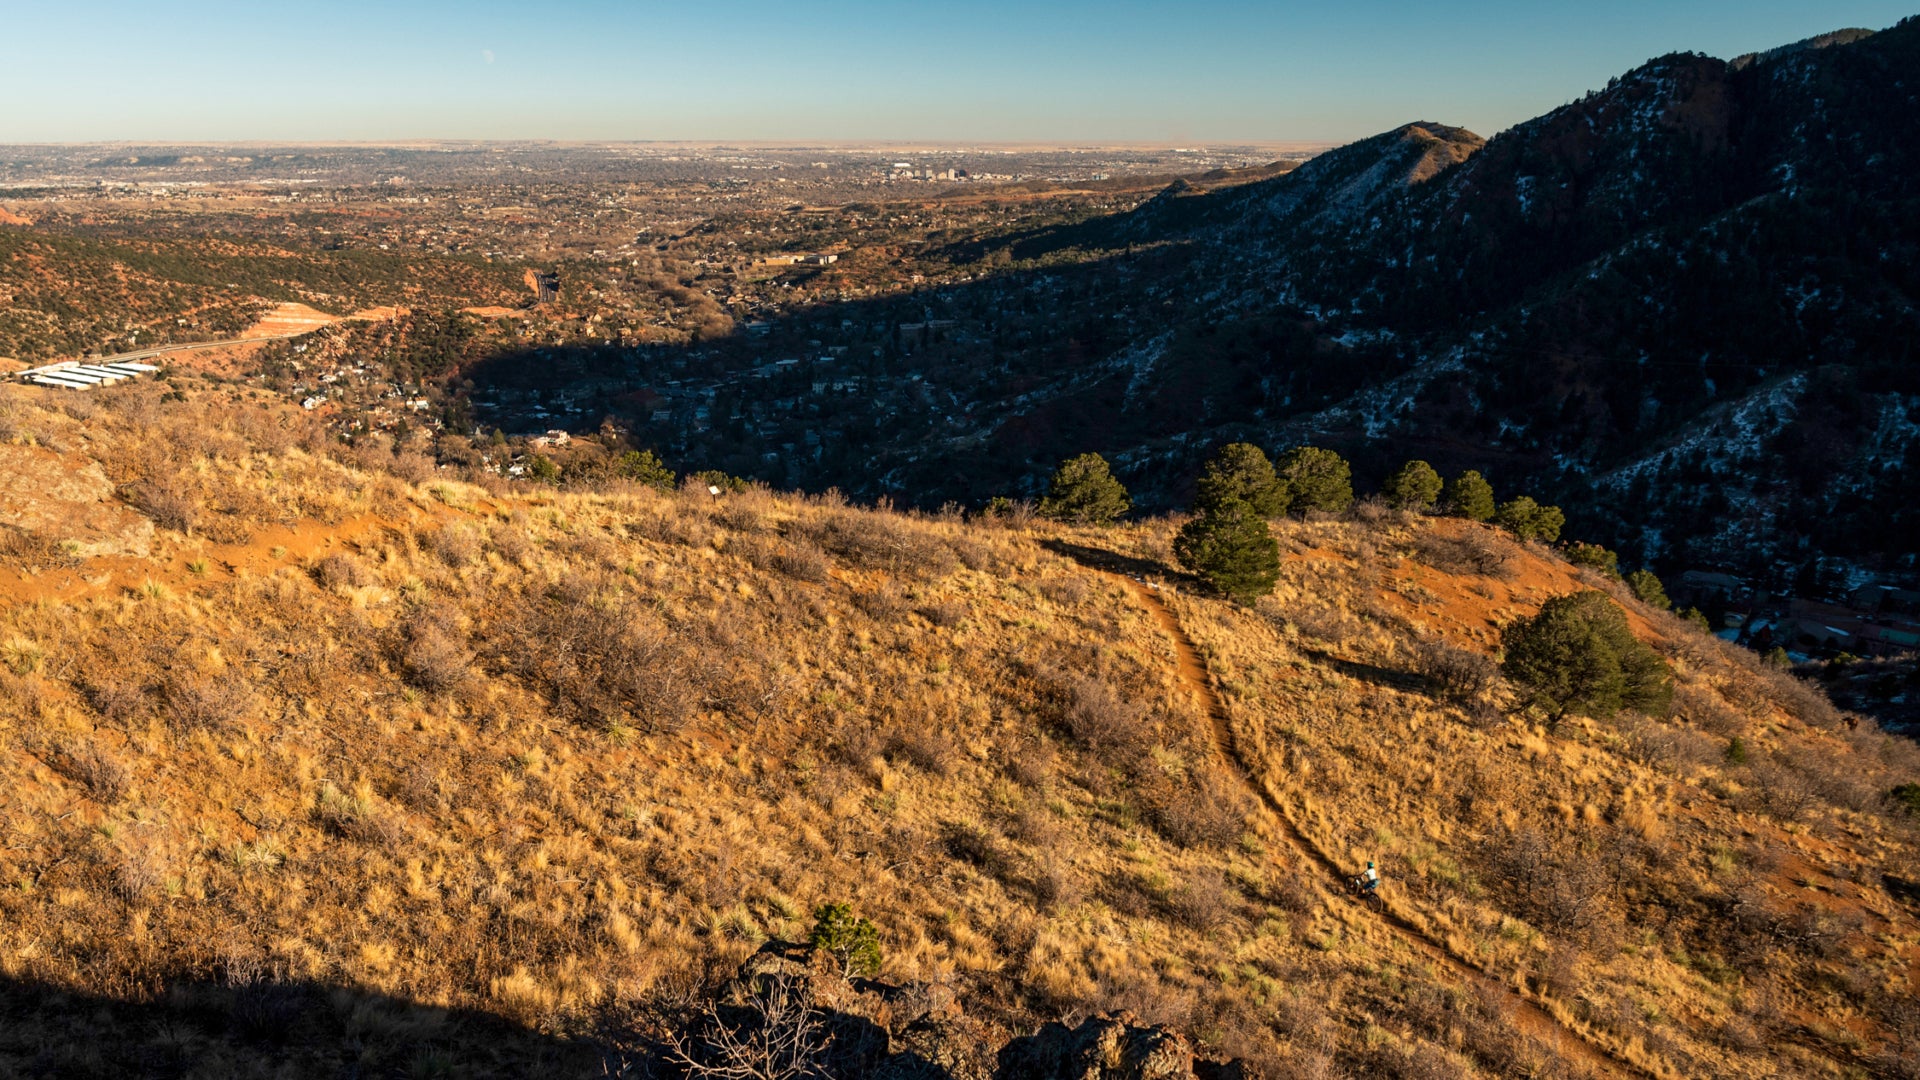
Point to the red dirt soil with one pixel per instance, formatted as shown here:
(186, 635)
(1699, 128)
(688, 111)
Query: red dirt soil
(108, 574)
(1467, 609)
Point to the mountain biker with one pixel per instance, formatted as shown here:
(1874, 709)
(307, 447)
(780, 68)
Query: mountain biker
(1370, 880)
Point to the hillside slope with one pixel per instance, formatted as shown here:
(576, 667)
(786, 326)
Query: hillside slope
(1579, 304)
(345, 751)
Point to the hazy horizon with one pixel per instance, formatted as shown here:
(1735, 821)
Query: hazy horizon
(1062, 74)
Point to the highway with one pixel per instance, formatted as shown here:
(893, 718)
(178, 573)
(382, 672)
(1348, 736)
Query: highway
(162, 350)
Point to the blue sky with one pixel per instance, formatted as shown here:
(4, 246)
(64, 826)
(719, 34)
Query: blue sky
(801, 70)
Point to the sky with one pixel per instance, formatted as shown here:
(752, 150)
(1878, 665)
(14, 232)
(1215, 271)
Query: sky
(817, 70)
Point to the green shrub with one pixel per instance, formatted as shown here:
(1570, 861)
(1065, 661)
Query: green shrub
(1413, 486)
(1469, 496)
(1596, 557)
(1578, 655)
(715, 478)
(1231, 548)
(643, 466)
(1528, 520)
(1241, 471)
(1647, 588)
(1316, 479)
(851, 940)
(1084, 492)
(542, 468)
(1906, 798)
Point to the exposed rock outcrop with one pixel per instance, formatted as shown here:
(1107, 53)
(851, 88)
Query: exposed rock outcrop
(796, 1006)
(66, 500)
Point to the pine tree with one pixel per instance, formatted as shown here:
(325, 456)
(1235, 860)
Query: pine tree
(1579, 655)
(1413, 486)
(1242, 471)
(1316, 479)
(1469, 496)
(1231, 547)
(1597, 557)
(1649, 590)
(1528, 520)
(645, 467)
(1084, 492)
(853, 941)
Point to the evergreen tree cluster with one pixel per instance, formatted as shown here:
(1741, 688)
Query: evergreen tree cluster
(1240, 490)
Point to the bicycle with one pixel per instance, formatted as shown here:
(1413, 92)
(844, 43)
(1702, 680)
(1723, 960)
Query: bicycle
(1357, 886)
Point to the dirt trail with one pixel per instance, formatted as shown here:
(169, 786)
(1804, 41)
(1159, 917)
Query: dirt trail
(1527, 1015)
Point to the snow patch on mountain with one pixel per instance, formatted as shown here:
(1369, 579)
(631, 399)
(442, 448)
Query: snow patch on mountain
(1724, 440)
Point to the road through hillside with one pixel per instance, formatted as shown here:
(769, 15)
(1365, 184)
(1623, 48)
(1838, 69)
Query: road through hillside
(1527, 1015)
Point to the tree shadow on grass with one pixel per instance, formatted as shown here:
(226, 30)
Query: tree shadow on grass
(1408, 681)
(203, 1028)
(1113, 562)
(1149, 571)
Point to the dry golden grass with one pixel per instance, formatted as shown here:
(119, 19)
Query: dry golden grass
(1698, 916)
(547, 754)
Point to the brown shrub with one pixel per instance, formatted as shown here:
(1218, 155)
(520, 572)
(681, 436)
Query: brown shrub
(1781, 790)
(169, 506)
(1456, 674)
(116, 698)
(18, 545)
(1675, 750)
(928, 750)
(1321, 621)
(193, 701)
(972, 554)
(357, 816)
(1475, 552)
(741, 517)
(139, 870)
(802, 561)
(1036, 825)
(602, 656)
(1067, 590)
(341, 569)
(1707, 711)
(979, 847)
(885, 604)
(511, 541)
(1205, 900)
(94, 768)
(454, 545)
(880, 541)
(435, 659)
(1052, 882)
(856, 743)
(1033, 767)
(1203, 810)
(1102, 720)
(1555, 884)
(946, 614)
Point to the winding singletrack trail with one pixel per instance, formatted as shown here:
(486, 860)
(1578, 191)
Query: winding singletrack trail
(1527, 1014)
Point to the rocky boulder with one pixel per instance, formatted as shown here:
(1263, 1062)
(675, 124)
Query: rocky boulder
(1107, 1048)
